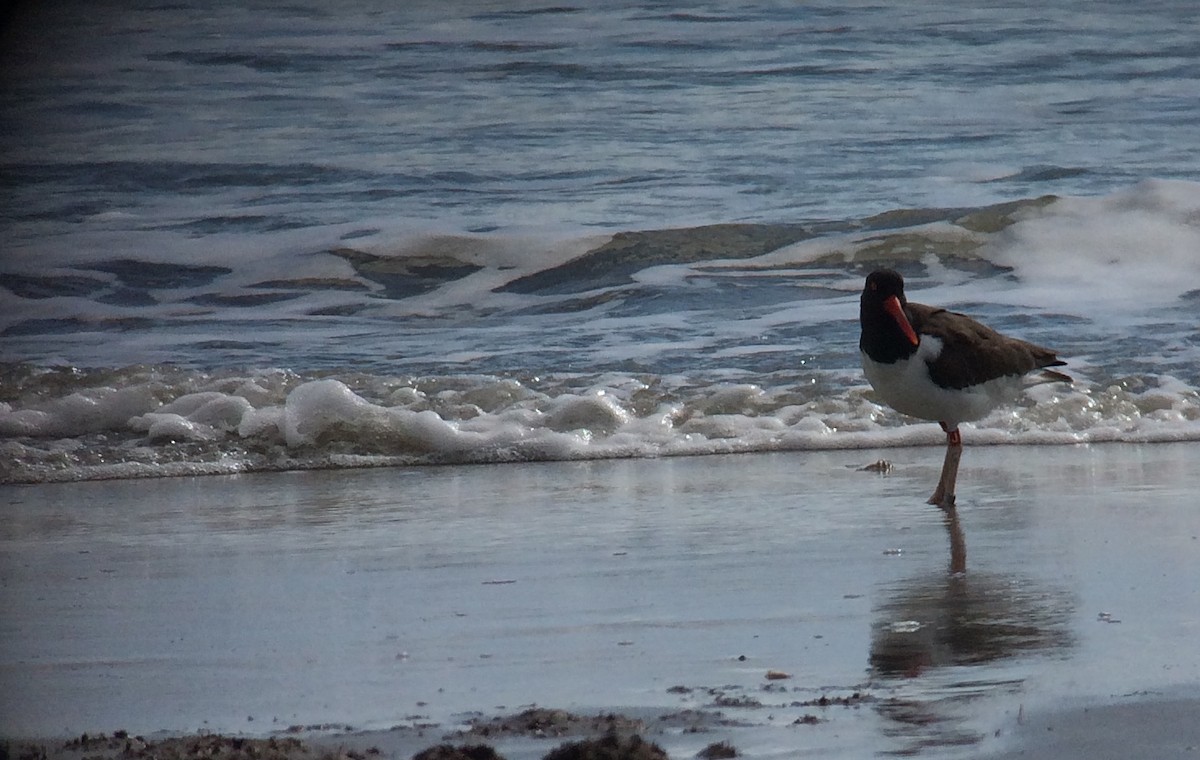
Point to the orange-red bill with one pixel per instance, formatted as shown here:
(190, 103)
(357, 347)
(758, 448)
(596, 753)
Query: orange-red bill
(891, 304)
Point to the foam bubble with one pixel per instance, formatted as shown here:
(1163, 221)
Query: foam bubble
(596, 413)
(173, 427)
(79, 413)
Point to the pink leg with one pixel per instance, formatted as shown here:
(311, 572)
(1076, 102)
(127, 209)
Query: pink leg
(943, 495)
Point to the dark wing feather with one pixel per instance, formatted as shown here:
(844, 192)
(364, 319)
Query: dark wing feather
(973, 353)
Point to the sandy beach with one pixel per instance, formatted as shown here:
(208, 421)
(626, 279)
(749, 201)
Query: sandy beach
(789, 604)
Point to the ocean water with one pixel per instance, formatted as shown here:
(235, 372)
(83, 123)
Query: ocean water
(291, 235)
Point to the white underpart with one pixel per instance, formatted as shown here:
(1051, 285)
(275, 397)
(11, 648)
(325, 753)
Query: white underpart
(906, 387)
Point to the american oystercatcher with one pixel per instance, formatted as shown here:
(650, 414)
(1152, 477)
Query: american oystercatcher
(937, 365)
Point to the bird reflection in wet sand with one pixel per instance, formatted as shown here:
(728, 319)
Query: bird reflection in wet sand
(928, 624)
(958, 619)
(958, 542)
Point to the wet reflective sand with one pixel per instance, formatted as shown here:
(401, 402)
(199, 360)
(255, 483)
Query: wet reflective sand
(405, 597)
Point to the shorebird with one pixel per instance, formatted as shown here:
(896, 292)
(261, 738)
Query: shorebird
(942, 366)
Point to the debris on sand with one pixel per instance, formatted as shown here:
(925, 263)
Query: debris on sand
(883, 467)
(120, 745)
(849, 700)
(717, 751)
(544, 722)
(608, 747)
(465, 752)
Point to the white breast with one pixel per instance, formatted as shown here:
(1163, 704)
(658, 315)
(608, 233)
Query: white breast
(906, 387)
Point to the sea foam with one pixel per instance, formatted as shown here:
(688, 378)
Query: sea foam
(324, 422)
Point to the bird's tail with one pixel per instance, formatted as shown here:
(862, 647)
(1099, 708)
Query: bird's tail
(1048, 376)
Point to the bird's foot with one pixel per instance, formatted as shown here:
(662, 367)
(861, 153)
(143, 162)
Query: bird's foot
(943, 500)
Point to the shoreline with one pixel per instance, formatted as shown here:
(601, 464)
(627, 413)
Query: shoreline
(904, 438)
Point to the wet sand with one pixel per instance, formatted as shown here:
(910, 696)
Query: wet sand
(785, 603)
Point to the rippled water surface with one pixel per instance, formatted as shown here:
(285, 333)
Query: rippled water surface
(303, 236)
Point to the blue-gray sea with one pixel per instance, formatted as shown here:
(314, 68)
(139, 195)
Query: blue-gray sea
(300, 234)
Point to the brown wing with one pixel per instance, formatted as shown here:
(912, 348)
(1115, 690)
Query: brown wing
(974, 353)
